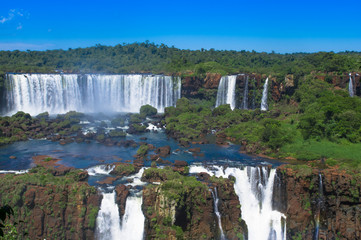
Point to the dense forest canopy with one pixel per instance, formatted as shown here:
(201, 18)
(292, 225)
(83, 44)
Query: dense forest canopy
(149, 57)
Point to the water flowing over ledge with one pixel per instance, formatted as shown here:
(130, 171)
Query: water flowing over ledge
(264, 105)
(226, 91)
(254, 187)
(60, 93)
(350, 87)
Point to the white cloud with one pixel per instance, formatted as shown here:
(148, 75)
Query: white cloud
(19, 27)
(11, 15)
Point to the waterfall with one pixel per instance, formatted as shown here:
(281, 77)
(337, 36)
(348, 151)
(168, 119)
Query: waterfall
(264, 106)
(60, 93)
(245, 95)
(100, 170)
(350, 87)
(108, 222)
(254, 188)
(227, 91)
(133, 219)
(319, 203)
(218, 214)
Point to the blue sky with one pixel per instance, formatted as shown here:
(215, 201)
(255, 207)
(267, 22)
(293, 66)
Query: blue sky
(260, 25)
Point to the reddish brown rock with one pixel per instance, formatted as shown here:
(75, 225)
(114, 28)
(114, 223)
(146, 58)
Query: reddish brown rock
(163, 151)
(339, 213)
(122, 193)
(194, 150)
(212, 81)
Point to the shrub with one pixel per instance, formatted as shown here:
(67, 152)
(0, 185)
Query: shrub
(147, 110)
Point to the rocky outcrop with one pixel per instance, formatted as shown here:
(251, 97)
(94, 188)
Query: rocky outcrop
(229, 207)
(182, 207)
(190, 86)
(122, 193)
(212, 80)
(163, 151)
(51, 207)
(333, 202)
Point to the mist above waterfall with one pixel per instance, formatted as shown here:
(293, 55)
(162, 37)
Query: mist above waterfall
(60, 93)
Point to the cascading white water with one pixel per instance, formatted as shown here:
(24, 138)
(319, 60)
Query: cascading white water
(108, 221)
(100, 170)
(350, 87)
(227, 91)
(133, 219)
(36, 93)
(14, 171)
(245, 95)
(108, 224)
(264, 105)
(60, 93)
(216, 211)
(254, 188)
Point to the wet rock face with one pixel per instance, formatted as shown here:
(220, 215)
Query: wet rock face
(338, 203)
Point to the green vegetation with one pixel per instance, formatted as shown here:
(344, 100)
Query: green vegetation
(117, 133)
(124, 169)
(147, 110)
(322, 122)
(22, 126)
(142, 150)
(176, 186)
(149, 57)
(57, 193)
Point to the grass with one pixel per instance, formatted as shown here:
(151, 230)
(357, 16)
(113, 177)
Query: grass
(345, 152)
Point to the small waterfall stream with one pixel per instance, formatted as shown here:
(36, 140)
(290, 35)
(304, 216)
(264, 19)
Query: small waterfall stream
(319, 204)
(227, 91)
(108, 221)
(350, 87)
(254, 187)
(218, 214)
(264, 105)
